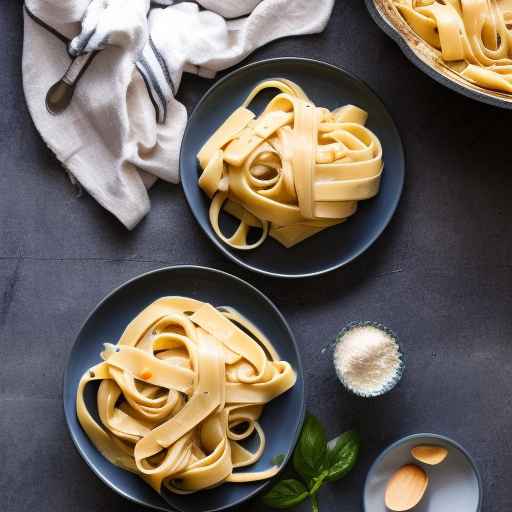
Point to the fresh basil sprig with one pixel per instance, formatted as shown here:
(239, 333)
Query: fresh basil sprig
(316, 462)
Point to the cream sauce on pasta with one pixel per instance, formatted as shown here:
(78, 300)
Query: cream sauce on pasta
(179, 393)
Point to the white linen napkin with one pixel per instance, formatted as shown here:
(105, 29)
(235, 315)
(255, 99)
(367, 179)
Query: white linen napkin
(123, 127)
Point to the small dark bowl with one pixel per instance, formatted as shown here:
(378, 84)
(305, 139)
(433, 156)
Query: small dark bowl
(426, 58)
(327, 86)
(282, 418)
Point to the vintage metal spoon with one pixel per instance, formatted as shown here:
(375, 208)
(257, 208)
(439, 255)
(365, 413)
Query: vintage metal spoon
(406, 488)
(59, 95)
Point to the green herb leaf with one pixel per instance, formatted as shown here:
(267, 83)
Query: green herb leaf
(342, 457)
(309, 455)
(286, 494)
(277, 460)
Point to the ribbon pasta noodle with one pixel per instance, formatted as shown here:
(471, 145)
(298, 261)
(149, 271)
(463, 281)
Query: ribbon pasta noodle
(292, 171)
(473, 36)
(183, 387)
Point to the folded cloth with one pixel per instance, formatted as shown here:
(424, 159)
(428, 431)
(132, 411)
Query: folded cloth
(123, 60)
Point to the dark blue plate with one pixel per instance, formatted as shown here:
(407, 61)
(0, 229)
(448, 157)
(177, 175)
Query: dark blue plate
(281, 420)
(327, 86)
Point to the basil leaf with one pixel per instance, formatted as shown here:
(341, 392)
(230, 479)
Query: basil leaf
(286, 494)
(342, 457)
(309, 455)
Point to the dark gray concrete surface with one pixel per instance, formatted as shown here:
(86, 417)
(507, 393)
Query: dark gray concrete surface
(440, 276)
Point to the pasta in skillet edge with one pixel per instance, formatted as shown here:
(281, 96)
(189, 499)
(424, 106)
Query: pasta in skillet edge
(473, 36)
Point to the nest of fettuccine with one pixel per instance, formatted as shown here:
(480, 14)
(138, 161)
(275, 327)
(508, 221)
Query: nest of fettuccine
(181, 392)
(292, 171)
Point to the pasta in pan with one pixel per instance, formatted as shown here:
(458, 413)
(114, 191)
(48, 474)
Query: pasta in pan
(179, 393)
(293, 171)
(473, 36)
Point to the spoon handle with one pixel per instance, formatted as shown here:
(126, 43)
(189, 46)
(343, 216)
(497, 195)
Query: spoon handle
(60, 93)
(72, 74)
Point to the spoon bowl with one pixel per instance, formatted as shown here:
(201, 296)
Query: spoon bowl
(60, 94)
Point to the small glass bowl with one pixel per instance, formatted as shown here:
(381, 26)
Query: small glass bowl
(388, 386)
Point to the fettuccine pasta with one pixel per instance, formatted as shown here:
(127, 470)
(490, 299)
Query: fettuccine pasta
(181, 390)
(473, 36)
(292, 171)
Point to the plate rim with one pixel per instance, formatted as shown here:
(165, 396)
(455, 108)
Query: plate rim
(218, 243)
(300, 371)
(440, 437)
(425, 68)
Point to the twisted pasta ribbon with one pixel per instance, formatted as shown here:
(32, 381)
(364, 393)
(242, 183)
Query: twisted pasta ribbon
(185, 384)
(293, 171)
(474, 33)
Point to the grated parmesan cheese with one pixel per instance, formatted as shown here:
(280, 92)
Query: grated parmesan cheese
(367, 359)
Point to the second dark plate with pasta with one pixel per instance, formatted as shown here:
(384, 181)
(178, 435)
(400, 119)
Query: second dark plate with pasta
(328, 87)
(106, 436)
